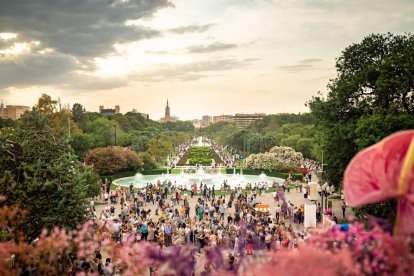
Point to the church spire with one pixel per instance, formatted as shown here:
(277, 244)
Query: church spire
(167, 110)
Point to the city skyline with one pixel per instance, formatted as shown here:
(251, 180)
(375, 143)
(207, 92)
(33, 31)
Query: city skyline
(206, 57)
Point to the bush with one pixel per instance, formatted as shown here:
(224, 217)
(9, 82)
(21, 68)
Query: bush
(155, 171)
(110, 160)
(148, 160)
(282, 159)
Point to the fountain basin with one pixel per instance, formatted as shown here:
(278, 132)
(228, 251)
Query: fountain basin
(186, 180)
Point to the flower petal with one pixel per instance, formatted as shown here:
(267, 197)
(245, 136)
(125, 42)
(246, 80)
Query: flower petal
(406, 215)
(373, 174)
(360, 182)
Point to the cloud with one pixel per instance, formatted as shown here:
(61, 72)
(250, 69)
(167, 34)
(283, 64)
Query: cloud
(191, 71)
(86, 28)
(301, 65)
(74, 32)
(214, 47)
(31, 69)
(191, 29)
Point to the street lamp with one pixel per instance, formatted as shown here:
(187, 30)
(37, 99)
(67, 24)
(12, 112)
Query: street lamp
(325, 192)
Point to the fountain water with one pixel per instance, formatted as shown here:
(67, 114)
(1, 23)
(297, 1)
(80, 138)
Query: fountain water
(262, 176)
(138, 177)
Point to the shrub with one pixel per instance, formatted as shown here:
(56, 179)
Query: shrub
(110, 160)
(148, 160)
(282, 159)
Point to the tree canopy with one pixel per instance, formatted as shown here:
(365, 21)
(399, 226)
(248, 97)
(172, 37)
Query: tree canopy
(371, 97)
(40, 174)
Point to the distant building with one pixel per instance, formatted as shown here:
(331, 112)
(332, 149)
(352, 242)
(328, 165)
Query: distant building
(109, 111)
(167, 116)
(244, 120)
(223, 118)
(206, 120)
(13, 112)
(197, 123)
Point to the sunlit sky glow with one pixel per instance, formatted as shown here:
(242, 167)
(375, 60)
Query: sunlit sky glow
(206, 57)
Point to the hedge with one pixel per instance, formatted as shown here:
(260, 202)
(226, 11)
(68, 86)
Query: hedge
(155, 171)
(119, 175)
(299, 176)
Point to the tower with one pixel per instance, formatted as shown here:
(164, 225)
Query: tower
(167, 112)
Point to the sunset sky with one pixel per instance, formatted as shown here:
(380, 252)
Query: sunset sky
(206, 56)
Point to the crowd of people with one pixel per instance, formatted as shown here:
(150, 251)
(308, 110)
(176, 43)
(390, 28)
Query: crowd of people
(161, 213)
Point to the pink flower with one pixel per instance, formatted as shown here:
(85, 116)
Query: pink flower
(384, 171)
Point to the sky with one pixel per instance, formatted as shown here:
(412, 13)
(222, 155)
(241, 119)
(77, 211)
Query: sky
(208, 57)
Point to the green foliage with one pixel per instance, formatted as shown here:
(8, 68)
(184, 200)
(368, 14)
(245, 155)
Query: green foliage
(119, 175)
(79, 115)
(385, 210)
(81, 143)
(7, 123)
(153, 172)
(160, 148)
(370, 99)
(148, 160)
(38, 172)
(179, 126)
(46, 105)
(292, 130)
(110, 160)
(200, 155)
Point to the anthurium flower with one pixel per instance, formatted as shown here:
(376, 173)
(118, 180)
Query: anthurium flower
(384, 171)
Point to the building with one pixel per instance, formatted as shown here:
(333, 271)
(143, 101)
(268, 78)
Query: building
(197, 123)
(206, 120)
(223, 118)
(109, 111)
(244, 120)
(167, 116)
(13, 112)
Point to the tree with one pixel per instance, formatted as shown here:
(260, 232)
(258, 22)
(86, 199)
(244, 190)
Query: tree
(160, 147)
(373, 89)
(148, 160)
(63, 120)
(81, 143)
(46, 105)
(6, 123)
(79, 115)
(39, 173)
(110, 160)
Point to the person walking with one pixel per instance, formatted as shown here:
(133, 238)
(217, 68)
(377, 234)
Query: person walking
(343, 209)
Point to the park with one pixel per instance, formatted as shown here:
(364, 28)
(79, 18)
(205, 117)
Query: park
(304, 165)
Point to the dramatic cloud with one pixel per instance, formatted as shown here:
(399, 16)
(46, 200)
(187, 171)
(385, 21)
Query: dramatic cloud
(191, 29)
(86, 28)
(215, 47)
(74, 32)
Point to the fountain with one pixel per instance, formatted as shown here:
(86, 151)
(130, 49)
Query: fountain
(200, 142)
(138, 177)
(187, 179)
(262, 176)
